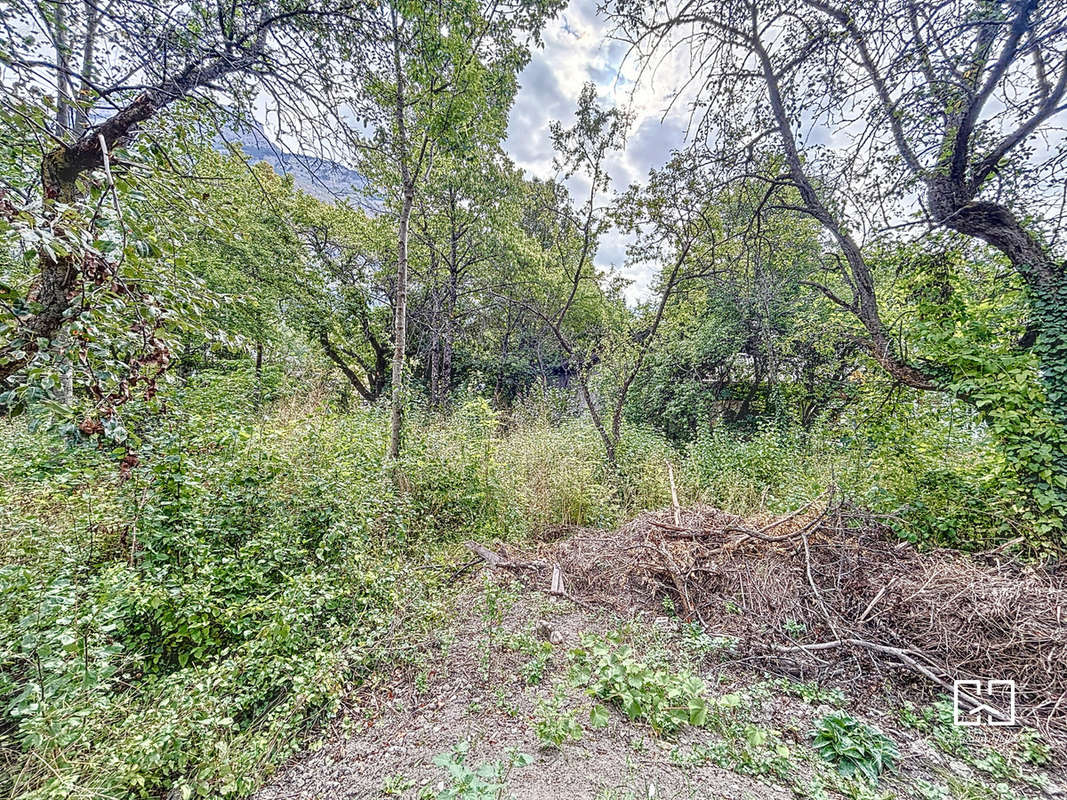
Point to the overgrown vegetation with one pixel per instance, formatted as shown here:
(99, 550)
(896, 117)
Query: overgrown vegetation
(284, 321)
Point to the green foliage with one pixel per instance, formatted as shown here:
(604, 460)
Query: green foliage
(396, 785)
(855, 748)
(137, 292)
(533, 671)
(970, 320)
(926, 469)
(937, 720)
(456, 473)
(557, 474)
(643, 455)
(665, 700)
(485, 781)
(774, 468)
(810, 692)
(1033, 749)
(180, 625)
(742, 743)
(554, 723)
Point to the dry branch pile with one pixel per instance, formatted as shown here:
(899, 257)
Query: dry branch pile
(828, 592)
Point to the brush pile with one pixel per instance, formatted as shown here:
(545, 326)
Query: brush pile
(827, 592)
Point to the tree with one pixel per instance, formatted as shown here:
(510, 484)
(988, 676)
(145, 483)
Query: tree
(434, 79)
(569, 236)
(673, 229)
(252, 258)
(941, 108)
(345, 309)
(742, 336)
(158, 55)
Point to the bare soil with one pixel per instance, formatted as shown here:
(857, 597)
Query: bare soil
(477, 681)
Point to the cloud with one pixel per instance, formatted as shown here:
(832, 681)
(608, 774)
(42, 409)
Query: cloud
(578, 48)
(651, 143)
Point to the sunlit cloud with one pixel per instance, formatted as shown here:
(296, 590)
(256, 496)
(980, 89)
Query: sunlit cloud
(578, 48)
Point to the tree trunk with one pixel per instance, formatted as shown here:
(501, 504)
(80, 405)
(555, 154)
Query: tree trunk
(1046, 281)
(448, 330)
(64, 347)
(400, 323)
(610, 444)
(81, 118)
(61, 168)
(368, 393)
(1038, 448)
(61, 36)
(259, 375)
(435, 335)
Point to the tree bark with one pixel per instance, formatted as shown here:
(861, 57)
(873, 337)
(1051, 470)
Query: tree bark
(367, 393)
(259, 375)
(448, 330)
(1045, 278)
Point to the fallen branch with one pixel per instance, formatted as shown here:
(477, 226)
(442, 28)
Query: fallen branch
(498, 561)
(905, 657)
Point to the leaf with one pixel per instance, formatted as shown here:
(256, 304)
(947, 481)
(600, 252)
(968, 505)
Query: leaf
(598, 716)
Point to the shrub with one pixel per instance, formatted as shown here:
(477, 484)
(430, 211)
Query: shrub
(934, 481)
(643, 455)
(775, 468)
(177, 628)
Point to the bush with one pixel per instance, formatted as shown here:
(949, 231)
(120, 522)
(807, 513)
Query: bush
(774, 469)
(643, 455)
(178, 627)
(934, 481)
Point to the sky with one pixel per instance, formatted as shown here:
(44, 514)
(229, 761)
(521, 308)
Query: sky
(578, 48)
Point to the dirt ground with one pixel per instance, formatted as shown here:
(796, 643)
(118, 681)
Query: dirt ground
(503, 672)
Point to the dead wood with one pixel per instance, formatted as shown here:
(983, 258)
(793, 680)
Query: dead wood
(833, 594)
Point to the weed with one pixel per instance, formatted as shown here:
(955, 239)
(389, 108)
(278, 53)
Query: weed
(395, 785)
(485, 781)
(555, 724)
(1033, 750)
(854, 747)
(533, 671)
(932, 791)
(966, 789)
(794, 629)
(936, 721)
(698, 642)
(665, 700)
(745, 749)
(495, 599)
(422, 681)
(810, 692)
(504, 701)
